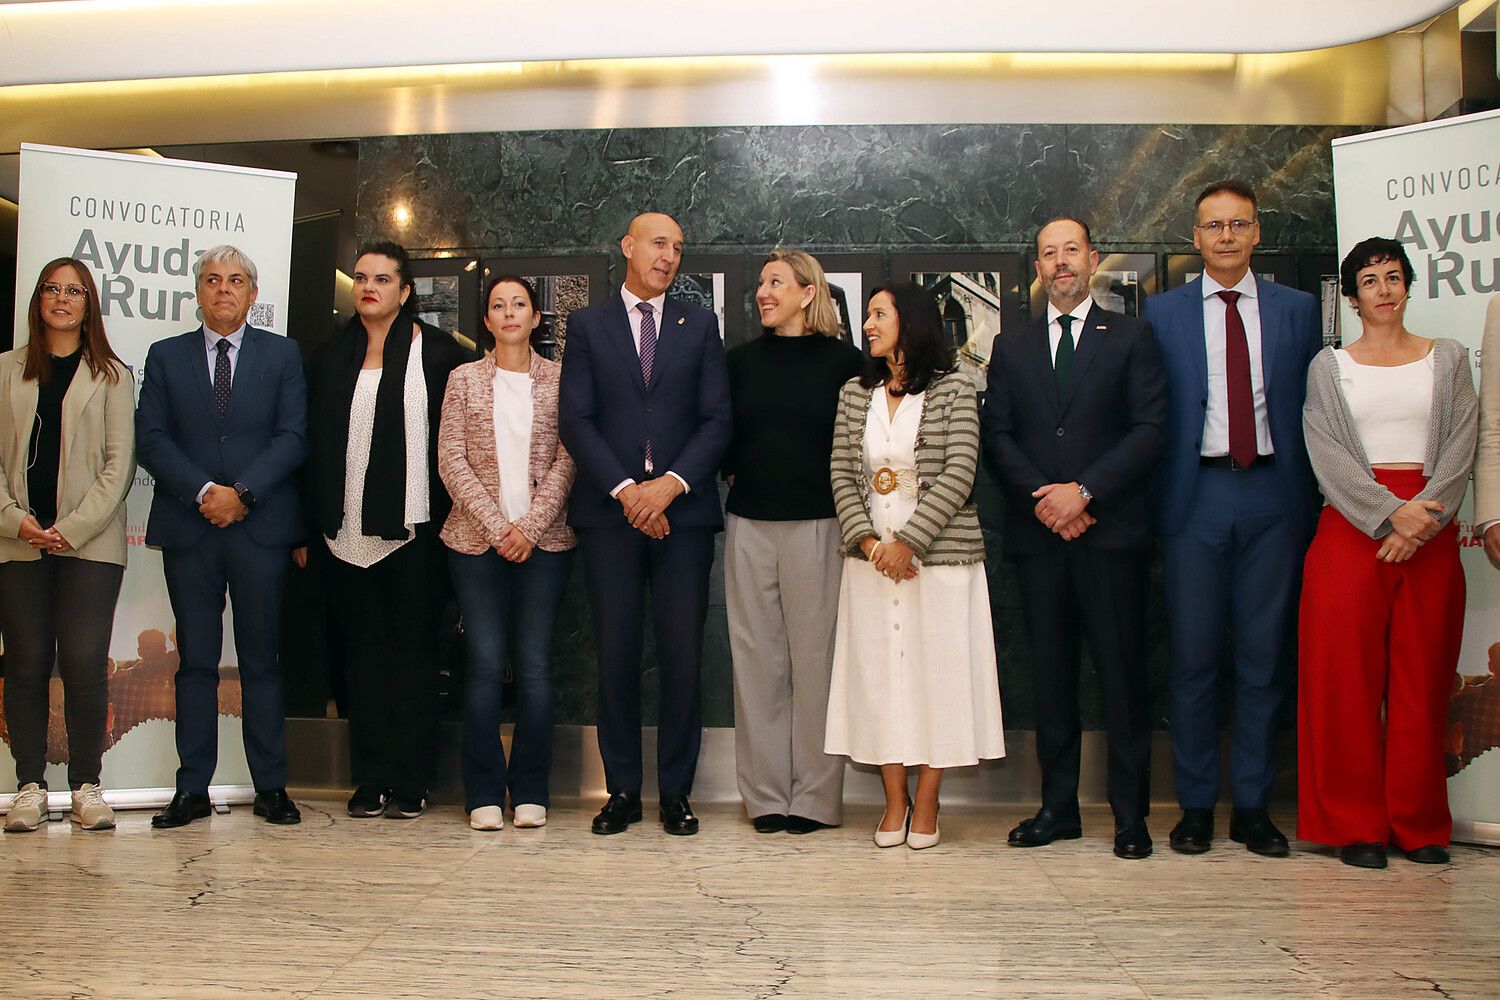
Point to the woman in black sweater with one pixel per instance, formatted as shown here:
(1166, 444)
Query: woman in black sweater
(781, 560)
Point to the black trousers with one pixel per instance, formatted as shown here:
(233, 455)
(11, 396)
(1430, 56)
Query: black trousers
(388, 614)
(58, 609)
(623, 565)
(1073, 593)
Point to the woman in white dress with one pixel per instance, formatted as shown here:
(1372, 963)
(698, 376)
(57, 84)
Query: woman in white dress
(914, 679)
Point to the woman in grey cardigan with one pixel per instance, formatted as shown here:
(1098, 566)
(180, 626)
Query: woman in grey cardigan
(914, 681)
(1391, 424)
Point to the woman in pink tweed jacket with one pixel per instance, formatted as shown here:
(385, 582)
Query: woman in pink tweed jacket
(510, 550)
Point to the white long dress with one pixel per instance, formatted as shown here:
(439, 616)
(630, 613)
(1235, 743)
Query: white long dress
(914, 678)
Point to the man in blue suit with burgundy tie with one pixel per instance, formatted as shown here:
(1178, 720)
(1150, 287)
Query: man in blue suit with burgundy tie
(644, 411)
(1235, 510)
(222, 425)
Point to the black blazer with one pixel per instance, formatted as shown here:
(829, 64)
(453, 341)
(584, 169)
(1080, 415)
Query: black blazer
(606, 411)
(1105, 429)
(328, 420)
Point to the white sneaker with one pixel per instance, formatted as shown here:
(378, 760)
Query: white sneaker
(530, 815)
(27, 809)
(90, 811)
(487, 818)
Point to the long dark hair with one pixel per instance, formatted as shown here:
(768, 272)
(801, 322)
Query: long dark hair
(97, 354)
(919, 338)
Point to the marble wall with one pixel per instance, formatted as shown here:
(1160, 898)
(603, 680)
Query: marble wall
(881, 189)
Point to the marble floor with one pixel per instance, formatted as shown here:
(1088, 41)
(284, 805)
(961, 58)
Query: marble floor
(232, 907)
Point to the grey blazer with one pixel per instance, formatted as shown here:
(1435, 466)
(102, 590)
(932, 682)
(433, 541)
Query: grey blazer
(944, 529)
(1338, 455)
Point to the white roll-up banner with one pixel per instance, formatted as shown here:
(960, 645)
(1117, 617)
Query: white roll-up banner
(139, 222)
(1436, 188)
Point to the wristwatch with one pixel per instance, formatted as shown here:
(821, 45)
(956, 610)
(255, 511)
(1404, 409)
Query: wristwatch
(1083, 491)
(246, 497)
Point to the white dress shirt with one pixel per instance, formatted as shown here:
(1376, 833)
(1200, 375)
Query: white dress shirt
(1216, 419)
(1054, 328)
(210, 344)
(634, 315)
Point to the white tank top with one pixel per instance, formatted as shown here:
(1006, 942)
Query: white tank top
(1391, 407)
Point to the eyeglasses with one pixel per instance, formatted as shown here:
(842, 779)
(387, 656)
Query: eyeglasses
(53, 289)
(1238, 227)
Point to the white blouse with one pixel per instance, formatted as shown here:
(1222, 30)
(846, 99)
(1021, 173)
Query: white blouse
(351, 544)
(1391, 407)
(512, 415)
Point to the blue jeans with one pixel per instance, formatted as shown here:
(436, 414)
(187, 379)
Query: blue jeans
(509, 610)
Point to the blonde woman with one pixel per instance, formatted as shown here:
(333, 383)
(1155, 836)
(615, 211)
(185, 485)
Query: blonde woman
(781, 561)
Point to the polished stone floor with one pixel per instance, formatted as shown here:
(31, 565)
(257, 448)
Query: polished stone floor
(231, 907)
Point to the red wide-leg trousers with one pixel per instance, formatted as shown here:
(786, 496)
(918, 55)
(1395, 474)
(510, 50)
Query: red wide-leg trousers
(1374, 634)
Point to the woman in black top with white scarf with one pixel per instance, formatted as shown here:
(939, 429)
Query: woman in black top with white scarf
(378, 503)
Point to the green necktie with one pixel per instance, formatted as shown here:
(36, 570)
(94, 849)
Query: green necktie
(1064, 362)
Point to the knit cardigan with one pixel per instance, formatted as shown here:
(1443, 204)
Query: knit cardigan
(944, 528)
(1338, 454)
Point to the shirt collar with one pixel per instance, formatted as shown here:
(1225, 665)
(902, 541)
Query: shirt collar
(210, 338)
(1078, 312)
(632, 300)
(1245, 286)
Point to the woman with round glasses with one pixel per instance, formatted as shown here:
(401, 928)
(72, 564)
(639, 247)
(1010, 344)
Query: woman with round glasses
(67, 461)
(1391, 424)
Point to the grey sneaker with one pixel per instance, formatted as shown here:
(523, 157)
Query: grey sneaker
(89, 809)
(27, 809)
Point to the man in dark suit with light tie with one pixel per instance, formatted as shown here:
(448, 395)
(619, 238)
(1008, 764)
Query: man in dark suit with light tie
(1236, 509)
(644, 411)
(1073, 425)
(222, 425)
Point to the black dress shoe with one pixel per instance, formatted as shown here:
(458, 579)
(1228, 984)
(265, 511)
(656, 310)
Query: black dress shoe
(277, 807)
(1133, 841)
(801, 824)
(1432, 854)
(677, 816)
(769, 823)
(622, 809)
(182, 810)
(1043, 828)
(1363, 855)
(1254, 829)
(1194, 833)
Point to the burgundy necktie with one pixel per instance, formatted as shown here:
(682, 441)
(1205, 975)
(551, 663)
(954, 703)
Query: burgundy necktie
(1242, 446)
(648, 356)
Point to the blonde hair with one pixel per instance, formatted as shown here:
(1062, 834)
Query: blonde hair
(819, 316)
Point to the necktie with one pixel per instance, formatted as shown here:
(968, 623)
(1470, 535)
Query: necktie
(1064, 362)
(1242, 446)
(648, 355)
(221, 376)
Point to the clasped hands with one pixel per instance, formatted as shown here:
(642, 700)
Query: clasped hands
(38, 537)
(892, 559)
(1060, 506)
(645, 504)
(1412, 524)
(222, 506)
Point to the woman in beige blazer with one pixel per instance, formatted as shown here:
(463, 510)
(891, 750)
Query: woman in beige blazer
(67, 459)
(509, 550)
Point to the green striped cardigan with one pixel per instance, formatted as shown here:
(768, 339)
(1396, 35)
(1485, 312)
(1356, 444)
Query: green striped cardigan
(944, 528)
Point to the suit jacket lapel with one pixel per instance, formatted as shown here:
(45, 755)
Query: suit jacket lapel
(1268, 304)
(671, 322)
(624, 340)
(1196, 350)
(1039, 352)
(246, 369)
(80, 391)
(203, 370)
(1091, 334)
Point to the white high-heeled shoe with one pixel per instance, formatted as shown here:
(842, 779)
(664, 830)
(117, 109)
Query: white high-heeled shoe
(921, 841)
(893, 838)
(486, 818)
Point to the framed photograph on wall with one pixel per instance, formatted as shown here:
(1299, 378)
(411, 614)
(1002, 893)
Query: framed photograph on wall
(979, 297)
(851, 276)
(717, 283)
(1120, 285)
(1280, 268)
(447, 291)
(563, 286)
(1318, 274)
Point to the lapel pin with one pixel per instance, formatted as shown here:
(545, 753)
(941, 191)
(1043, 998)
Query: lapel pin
(681, 320)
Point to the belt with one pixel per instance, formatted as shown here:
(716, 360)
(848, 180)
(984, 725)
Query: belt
(887, 480)
(1226, 462)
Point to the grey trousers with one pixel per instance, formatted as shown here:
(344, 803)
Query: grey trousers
(781, 586)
